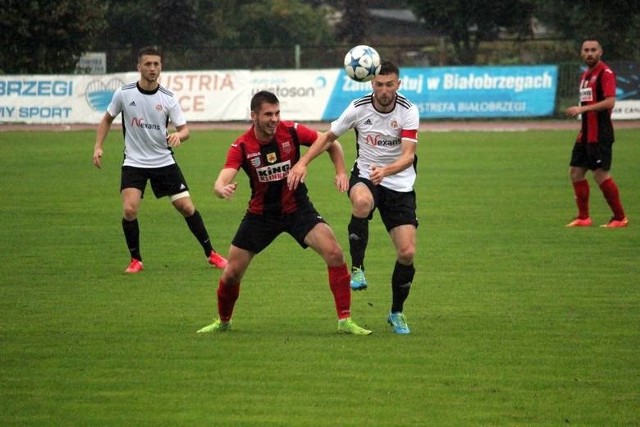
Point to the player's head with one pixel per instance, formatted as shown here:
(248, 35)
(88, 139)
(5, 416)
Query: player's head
(265, 114)
(149, 63)
(262, 97)
(385, 85)
(591, 51)
(388, 67)
(149, 50)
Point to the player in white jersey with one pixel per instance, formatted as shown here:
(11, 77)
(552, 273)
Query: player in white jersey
(386, 126)
(146, 109)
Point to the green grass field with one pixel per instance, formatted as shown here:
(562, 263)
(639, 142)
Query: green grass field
(515, 319)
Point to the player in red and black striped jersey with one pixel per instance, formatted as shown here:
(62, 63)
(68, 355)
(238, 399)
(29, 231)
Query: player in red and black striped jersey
(266, 153)
(593, 148)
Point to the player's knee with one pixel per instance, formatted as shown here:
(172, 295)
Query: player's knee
(361, 207)
(406, 254)
(231, 277)
(185, 208)
(129, 212)
(334, 256)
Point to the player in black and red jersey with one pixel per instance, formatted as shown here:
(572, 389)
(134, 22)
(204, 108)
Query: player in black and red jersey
(266, 153)
(594, 146)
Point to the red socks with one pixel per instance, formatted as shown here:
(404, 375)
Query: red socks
(227, 297)
(581, 190)
(339, 279)
(612, 196)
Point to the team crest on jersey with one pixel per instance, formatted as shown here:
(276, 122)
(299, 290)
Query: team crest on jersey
(394, 124)
(255, 162)
(271, 157)
(286, 146)
(158, 107)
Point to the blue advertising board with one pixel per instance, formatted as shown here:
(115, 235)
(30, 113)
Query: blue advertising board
(465, 92)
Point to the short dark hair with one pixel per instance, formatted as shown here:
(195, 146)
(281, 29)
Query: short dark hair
(388, 67)
(591, 39)
(262, 97)
(149, 50)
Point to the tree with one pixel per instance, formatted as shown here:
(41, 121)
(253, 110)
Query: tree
(281, 23)
(615, 23)
(467, 23)
(354, 27)
(42, 36)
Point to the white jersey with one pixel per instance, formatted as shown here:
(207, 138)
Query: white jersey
(145, 116)
(379, 137)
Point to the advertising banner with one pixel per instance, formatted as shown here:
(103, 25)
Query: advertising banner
(59, 99)
(465, 92)
(303, 94)
(307, 95)
(627, 90)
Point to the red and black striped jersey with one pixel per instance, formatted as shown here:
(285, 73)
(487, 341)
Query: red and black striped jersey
(267, 164)
(596, 84)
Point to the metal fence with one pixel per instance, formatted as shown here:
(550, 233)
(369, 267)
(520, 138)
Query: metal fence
(504, 52)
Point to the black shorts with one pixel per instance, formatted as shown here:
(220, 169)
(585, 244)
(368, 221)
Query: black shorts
(256, 232)
(165, 181)
(395, 207)
(592, 156)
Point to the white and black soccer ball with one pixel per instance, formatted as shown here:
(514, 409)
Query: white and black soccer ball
(362, 63)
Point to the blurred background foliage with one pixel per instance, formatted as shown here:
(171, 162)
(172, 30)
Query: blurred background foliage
(46, 36)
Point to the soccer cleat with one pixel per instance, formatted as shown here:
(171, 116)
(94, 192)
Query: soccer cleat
(348, 326)
(578, 222)
(399, 323)
(217, 260)
(135, 266)
(358, 281)
(616, 223)
(217, 326)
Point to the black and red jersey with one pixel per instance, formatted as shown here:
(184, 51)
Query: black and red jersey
(267, 164)
(596, 84)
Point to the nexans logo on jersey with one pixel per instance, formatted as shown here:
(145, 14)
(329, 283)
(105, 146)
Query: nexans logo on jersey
(275, 172)
(139, 122)
(382, 141)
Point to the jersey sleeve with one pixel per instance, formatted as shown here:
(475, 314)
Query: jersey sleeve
(115, 106)
(346, 121)
(608, 83)
(411, 125)
(175, 113)
(234, 156)
(306, 135)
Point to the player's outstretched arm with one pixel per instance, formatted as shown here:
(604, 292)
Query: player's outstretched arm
(298, 172)
(337, 157)
(225, 186)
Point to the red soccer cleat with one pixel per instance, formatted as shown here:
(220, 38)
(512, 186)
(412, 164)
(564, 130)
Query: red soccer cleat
(586, 222)
(616, 223)
(217, 260)
(135, 266)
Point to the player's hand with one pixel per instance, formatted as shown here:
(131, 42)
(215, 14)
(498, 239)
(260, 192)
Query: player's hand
(97, 158)
(296, 176)
(227, 191)
(376, 174)
(342, 182)
(573, 111)
(173, 140)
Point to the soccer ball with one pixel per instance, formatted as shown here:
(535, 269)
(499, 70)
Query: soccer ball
(362, 63)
